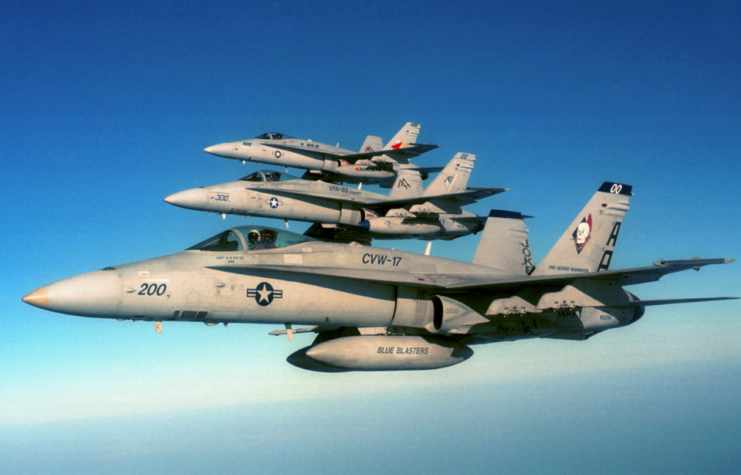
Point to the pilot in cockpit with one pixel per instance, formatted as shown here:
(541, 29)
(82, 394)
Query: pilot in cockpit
(268, 241)
(253, 240)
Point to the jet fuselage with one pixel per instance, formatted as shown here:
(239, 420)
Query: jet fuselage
(259, 286)
(316, 156)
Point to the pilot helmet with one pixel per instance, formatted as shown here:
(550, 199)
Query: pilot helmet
(253, 236)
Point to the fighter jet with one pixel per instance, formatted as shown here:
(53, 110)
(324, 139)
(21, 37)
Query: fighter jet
(374, 164)
(346, 214)
(379, 309)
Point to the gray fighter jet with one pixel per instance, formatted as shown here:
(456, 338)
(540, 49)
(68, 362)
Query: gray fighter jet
(346, 214)
(374, 164)
(378, 309)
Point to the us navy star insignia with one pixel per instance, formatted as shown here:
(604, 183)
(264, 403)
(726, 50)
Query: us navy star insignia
(274, 202)
(264, 294)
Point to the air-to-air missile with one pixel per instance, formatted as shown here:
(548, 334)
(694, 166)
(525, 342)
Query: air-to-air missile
(379, 309)
(347, 214)
(373, 164)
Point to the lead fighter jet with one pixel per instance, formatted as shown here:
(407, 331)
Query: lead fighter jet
(347, 214)
(378, 309)
(374, 164)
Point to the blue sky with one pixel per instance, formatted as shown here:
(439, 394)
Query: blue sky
(107, 109)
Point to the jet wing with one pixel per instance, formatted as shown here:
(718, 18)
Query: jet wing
(332, 177)
(315, 194)
(297, 148)
(634, 276)
(413, 279)
(447, 283)
(471, 195)
(407, 152)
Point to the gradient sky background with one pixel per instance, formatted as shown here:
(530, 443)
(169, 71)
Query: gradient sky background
(106, 109)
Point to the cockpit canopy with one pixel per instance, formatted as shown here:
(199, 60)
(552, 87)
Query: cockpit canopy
(268, 175)
(252, 238)
(273, 136)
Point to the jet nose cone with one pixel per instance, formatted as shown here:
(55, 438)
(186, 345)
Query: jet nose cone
(221, 149)
(94, 294)
(196, 198)
(38, 298)
(234, 150)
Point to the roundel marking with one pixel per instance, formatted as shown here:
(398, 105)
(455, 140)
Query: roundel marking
(264, 294)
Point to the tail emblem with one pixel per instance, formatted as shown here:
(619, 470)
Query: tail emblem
(403, 183)
(448, 180)
(368, 148)
(399, 145)
(582, 233)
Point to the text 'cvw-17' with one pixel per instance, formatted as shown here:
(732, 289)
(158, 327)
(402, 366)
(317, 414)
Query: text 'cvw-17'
(377, 309)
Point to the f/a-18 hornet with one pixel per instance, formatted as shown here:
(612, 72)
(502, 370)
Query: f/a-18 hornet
(374, 164)
(346, 214)
(378, 309)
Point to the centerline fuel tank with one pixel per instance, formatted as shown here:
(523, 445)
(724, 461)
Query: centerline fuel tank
(380, 353)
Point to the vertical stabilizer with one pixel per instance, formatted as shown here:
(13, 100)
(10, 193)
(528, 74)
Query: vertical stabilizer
(371, 144)
(408, 184)
(405, 137)
(504, 244)
(588, 243)
(454, 177)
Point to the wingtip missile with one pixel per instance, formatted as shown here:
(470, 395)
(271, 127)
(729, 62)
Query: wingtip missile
(695, 262)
